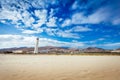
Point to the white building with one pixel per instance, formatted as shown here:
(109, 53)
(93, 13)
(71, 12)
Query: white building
(116, 51)
(18, 51)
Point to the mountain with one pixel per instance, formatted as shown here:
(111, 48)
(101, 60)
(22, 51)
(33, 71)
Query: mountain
(50, 48)
(13, 49)
(55, 49)
(118, 49)
(93, 49)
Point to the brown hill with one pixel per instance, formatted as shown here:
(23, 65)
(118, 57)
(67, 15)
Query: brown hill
(93, 49)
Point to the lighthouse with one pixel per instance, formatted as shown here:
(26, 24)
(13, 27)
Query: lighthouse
(36, 46)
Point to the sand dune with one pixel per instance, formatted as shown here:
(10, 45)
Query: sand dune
(43, 67)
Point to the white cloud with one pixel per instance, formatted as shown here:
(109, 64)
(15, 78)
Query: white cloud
(51, 19)
(22, 18)
(109, 45)
(80, 29)
(60, 33)
(31, 31)
(70, 33)
(38, 3)
(117, 44)
(10, 15)
(42, 15)
(51, 13)
(2, 21)
(116, 21)
(60, 19)
(51, 42)
(26, 4)
(16, 16)
(43, 3)
(96, 40)
(50, 31)
(101, 15)
(67, 22)
(101, 39)
(77, 18)
(52, 22)
(27, 19)
(67, 34)
(38, 24)
(8, 41)
(75, 5)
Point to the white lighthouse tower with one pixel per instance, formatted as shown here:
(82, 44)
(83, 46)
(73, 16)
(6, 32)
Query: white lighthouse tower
(36, 46)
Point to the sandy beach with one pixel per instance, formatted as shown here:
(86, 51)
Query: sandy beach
(62, 67)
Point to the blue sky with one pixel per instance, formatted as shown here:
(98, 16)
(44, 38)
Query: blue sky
(66, 23)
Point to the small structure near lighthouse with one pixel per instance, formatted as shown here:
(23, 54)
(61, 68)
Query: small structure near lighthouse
(36, 46)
